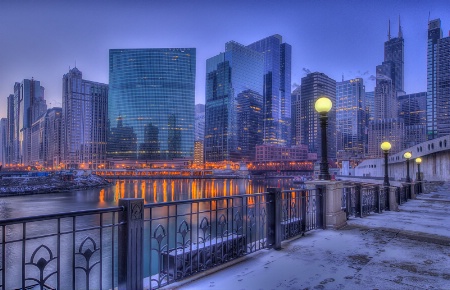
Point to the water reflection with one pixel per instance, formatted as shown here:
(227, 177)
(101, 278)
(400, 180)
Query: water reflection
(152, 191)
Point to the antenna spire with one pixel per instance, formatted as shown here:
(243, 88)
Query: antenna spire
(400, 32)
(389, 30)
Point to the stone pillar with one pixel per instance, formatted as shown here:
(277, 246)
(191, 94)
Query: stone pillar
(335, 217)
(393, 205)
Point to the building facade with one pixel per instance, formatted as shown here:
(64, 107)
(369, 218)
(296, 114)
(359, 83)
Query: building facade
(277, 89)
(314, 86)
(443, 86)
(234, 90)
(412, 109)
(3, 140)
(28, 105)
(350, 118)
(434, 36)
(296, 116)
(387, 126)
(84, 119)
(199, 129)
(151, 107)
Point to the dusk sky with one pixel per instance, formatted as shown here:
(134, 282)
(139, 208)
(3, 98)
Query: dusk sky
(42, 39)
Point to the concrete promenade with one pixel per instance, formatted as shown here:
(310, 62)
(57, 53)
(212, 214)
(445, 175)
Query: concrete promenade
(408, 249)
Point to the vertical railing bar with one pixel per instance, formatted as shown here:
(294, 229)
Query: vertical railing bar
(101, 251)
(168, 244)
(3, 257)
(24, 235)
(150, 269)
(190, 236)
(73, 251)
(198, 234)
(114, 224)
(58, 250)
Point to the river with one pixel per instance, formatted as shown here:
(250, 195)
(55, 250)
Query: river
(152, 191)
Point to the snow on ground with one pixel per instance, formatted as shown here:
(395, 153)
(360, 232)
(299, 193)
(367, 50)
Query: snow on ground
(408, 249)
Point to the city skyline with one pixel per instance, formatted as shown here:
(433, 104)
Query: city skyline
(42, 40)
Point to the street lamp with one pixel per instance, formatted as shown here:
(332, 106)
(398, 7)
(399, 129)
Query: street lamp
(386, 146)
(323, 106)
(407, 156)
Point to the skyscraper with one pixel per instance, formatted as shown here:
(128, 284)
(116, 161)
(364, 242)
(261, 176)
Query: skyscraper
(442, 88)
(412, 109)
(29, 105)
(234, 88)
(314, 86)
(199, 129)
(151, 104)
(350, 118)
(3, 140)
(386, 125)
(434, 35)
(277, 89)
(296, 116)
(84, 116)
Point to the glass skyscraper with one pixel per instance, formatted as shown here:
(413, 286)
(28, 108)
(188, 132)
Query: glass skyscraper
(151, 104)
(314, 86)
(438, 81)
(350, 117)
(434, 34)
(277, 89)
(234, 89)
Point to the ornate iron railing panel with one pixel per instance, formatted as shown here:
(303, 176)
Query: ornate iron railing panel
(299, 212)
(186, 237)
(74, 250)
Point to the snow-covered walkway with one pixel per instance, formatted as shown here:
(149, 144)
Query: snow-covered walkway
(408, 249)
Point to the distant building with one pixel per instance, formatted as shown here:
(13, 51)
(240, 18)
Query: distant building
(199, 156)
(29, 105)
(84, 119)
(314, 86)
(350, 118)
(10, 154)
(412, 108)
(443, 87)
(370, 105)
(296, 116)
(272, 152)
(386, 125)
(438, 81)
(277, 88)
(3, 140)
(151, 107)
(234, 90)
(199, 129)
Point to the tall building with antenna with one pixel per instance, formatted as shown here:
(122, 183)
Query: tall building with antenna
(386, 125)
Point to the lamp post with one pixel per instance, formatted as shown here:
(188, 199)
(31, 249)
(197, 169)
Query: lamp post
(419, 179)
(323, 106)
(407, 156)
(386, 146)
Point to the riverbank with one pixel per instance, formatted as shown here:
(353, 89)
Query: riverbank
(48, 184)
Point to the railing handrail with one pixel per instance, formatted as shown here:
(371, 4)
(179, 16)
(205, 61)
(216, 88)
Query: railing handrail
(6, 222)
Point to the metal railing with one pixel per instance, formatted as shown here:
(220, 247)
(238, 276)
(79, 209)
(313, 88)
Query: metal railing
(362, 199)
(133, 246)
(76, 250)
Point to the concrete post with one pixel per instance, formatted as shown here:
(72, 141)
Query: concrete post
(274, 218)
(335, 217)
(393, 205)
(130, 244)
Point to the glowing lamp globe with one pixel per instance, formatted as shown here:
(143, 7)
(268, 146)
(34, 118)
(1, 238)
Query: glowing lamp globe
(418, 160)
(407, 155)
(323, 105)
(386, 146)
